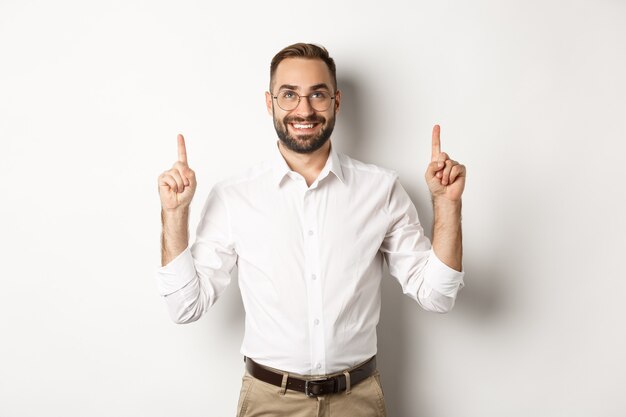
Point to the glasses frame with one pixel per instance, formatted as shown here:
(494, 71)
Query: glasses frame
(308, 97)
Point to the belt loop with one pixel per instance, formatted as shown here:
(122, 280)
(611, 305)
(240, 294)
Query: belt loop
(347, 374)
(283, 385)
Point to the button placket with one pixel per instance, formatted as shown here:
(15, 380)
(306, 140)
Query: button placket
(315, 310)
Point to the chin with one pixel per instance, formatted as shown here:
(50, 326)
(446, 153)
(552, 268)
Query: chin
(303, 145)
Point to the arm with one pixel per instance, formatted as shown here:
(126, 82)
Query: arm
(191, 279)
(176, 189)
(430, 275)
(447, 233)
(446, 182)
(411, 259)
(175, 233)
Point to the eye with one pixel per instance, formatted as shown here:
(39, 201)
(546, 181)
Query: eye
(288, 94)
(318, 95)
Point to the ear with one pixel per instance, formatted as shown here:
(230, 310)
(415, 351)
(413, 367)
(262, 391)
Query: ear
(337, 101)
(268, 102)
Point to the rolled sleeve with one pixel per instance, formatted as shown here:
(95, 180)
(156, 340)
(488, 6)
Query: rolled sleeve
(441, 278)
(176, 274)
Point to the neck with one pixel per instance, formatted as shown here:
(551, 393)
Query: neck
(309, 165)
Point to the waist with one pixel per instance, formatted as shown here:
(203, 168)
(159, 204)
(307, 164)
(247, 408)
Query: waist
(313, 386)
(301, 364)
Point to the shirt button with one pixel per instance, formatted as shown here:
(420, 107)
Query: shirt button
(318, 365)
(310, 232)
(316, 321)
(313, 277)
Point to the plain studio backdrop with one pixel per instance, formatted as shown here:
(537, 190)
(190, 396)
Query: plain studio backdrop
(531, 96)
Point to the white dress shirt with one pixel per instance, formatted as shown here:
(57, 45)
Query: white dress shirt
(310, 261)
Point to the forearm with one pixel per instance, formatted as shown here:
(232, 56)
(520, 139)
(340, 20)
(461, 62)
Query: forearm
(175, 233)
(447, 233)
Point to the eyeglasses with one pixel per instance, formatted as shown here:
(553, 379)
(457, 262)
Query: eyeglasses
(288, 100)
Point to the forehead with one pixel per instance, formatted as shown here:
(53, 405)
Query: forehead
(302, 72)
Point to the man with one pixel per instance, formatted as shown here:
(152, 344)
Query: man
(309, 231)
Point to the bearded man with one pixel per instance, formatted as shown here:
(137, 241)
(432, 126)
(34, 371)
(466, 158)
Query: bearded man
(309, 231)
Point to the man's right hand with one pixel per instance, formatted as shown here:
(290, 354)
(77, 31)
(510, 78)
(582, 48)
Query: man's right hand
(177, 185)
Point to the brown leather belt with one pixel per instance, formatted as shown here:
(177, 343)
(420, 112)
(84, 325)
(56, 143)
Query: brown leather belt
(316, 386)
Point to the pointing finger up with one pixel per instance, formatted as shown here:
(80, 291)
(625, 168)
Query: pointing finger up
(436, 144)
(182, 150)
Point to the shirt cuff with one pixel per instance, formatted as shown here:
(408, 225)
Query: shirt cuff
(442, 278)
(176, 274)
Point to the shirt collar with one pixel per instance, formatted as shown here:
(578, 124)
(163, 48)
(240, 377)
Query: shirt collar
(280, 169)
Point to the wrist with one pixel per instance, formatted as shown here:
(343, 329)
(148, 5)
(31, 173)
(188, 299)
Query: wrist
(446, 213)
(447, 204)
(175, 213)
(175, 220)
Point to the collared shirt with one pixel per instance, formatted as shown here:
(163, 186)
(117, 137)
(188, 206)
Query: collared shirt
(310, 261)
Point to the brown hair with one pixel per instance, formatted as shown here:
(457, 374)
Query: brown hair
(304, 50)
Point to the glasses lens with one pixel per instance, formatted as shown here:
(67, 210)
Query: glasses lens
(320, 100)
(288, 100)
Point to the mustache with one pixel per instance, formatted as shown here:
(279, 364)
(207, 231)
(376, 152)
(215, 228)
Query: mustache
(295, 119)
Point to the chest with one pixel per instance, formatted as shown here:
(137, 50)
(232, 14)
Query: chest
(291, 223)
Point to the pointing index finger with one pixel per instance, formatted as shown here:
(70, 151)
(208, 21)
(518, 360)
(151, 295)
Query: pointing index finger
(436, 146)
(182, 150)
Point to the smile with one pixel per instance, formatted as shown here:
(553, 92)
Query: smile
(303, 126)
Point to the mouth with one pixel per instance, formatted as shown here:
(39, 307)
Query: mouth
(304, 127)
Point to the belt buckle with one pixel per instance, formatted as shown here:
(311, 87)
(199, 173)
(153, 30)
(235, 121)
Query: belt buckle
(316, 383)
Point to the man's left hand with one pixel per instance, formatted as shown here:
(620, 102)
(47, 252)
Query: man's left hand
(445, 177)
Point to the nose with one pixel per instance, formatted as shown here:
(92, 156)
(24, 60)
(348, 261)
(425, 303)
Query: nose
(304, 107)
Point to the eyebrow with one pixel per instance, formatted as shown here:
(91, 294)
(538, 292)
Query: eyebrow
(288, 87)
(319, 86)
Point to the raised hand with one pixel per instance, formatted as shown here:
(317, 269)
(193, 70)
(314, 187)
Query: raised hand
(445, 177)
(177, 185)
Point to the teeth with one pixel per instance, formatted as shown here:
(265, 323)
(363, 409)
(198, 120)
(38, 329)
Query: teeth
(298, 126)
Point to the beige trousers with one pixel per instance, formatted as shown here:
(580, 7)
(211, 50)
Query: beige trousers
(258, 398)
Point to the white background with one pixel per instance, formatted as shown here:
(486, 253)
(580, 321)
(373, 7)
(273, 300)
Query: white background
(531, 96)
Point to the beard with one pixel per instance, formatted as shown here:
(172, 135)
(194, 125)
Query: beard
(304, 143)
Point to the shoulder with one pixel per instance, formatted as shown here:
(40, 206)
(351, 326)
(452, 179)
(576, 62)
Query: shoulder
(249, 177)
(359, 170)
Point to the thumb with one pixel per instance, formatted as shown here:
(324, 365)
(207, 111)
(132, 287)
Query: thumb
(433, 168)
